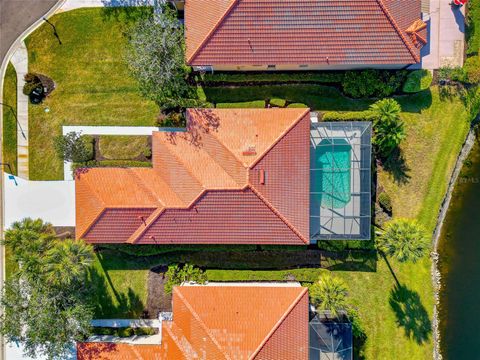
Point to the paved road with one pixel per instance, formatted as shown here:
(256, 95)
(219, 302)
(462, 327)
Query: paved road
(16, 16)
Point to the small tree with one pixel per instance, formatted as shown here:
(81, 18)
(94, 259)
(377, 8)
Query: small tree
(403, 240)
(44, 300)
(176, 275)
(74, 147)
(389, 130)
(329, 294)
(156, 58)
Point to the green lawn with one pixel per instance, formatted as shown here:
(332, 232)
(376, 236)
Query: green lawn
(94, 86)
(123, 147)
(9, 140)
(473, 27)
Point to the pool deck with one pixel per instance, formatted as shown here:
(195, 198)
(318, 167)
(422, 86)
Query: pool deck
(350, 221)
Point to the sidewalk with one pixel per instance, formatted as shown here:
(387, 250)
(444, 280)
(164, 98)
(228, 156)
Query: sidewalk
(19, 61)
(446, 38)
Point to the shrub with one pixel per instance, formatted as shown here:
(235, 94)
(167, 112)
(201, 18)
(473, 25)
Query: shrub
(176, 275)
(277, 102)
(453, 74)
(388, 129)
(125, 332)
(472, 69)
(348, 116)
(139, 331)
(297, 105)
(173, 119)
(372, 83)
(258, 104)
(385, 202)
(74, 147)
(268, 77)
(151, 250)
(111, 163)
(417, 81)
(29, 87)
(147, 152)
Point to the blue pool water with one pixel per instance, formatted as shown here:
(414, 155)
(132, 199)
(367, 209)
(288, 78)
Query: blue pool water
(330, 184)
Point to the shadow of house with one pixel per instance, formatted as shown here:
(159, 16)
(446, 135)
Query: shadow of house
(410, 313)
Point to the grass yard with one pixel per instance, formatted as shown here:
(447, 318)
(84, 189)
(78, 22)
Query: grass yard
(124, 147)
(473, 27)
(9, 141)
(94, 86)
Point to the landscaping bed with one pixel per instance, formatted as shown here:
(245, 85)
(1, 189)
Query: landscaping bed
(113, 147)
(9, 140)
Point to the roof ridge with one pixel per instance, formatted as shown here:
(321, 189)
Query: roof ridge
(212, 31)
(139, 181)
(398, 30)
(148, 222)
(276, 212)
(202, 324)
(93, 222)
(172, 332)
(280, 321)
(280, 137)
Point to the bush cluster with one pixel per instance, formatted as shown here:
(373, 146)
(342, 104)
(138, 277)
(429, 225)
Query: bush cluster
(124, 332)
(151, 250)
(269, 77)
(385, 202)
(75, 147)
(177, 274)
(110, 163)
(372, 83)
(348, 116)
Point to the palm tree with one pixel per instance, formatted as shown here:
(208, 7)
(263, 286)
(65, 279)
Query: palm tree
(389, 130)
(329, 294)
(67, 261)
(403, 240)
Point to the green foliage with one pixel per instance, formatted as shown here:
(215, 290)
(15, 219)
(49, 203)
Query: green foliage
(111, 163)
(32, 81)
(385, 202)
(297, 105)
(473, 27)
(417, 80)
(309, 275)
(358, 330)
(176, 275)
(372, 83)
(123, 147)
(74, 147)
(472, 69)
(329, 294)
(150, 250)
(453, 74)
(348, 116)
(403, 240)
(388, 128)
(259, 104)
(124, 332)
(274, 77)
(277, 102)
(156, 58)
(45, 298)
(173, 119)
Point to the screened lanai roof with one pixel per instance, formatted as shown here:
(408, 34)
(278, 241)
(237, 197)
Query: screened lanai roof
(340, 180)
(330, 340)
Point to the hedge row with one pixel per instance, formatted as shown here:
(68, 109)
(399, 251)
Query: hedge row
(348, 116)
(151, 250)
(111, 163)
(269, 77)
(124, 332)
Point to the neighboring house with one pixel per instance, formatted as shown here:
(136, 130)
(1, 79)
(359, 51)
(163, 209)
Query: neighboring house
(236, 176)
(224, 322)
(303, 34)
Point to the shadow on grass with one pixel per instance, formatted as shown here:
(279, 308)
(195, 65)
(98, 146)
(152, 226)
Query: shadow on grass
(410, 313)
(119, 305)
(397, 167)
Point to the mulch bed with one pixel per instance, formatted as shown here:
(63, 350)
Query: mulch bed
(157, 299)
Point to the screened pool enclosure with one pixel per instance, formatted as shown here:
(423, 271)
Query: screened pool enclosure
(340, 180)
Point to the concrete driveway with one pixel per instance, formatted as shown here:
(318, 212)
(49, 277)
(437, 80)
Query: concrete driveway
(52, 201)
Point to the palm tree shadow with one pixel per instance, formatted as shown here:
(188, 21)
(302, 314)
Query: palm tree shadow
(397, 167)
(410, 313)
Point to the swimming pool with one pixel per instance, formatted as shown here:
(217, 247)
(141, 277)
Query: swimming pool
(330, 179)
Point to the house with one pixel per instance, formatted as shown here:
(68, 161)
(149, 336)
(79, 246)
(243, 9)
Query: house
(224, 322)
(235, 176)
(252, 35)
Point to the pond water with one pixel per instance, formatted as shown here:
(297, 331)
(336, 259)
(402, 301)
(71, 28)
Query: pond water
(459, 250)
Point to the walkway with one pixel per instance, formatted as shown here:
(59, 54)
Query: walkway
(52, 201)
(446, 38)
(107, 130)
(20, 62)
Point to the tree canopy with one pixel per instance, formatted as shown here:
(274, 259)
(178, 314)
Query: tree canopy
(329, 294)
(403, 240)
(176, 275)
(388, 128)
(156, 58)
(45, 299)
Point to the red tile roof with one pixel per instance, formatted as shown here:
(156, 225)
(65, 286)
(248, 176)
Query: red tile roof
(253, 32)
(205, 184)
(224, 322)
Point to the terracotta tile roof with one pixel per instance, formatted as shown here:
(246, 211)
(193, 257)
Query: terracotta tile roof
(225, 322)
(253, 32)
(208, 180)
